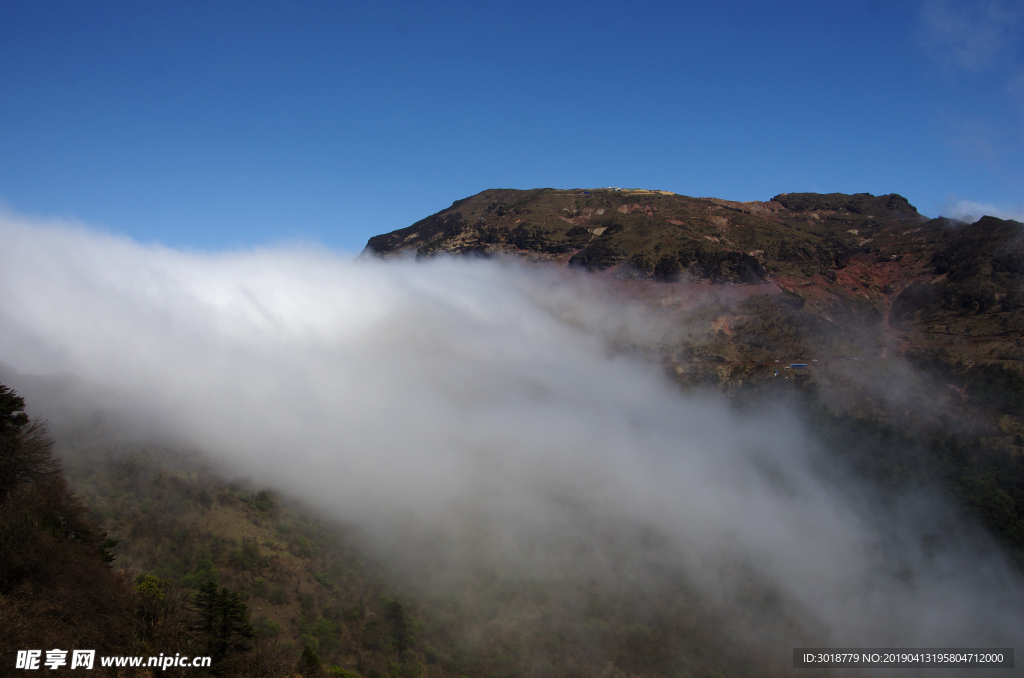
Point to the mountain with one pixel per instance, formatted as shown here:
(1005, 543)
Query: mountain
(847, 262)
(893, 339)
(659, 234)
(901, 337)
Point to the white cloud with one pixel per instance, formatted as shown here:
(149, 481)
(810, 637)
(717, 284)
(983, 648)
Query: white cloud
(476, 404)
(973, 35)
(971, 211)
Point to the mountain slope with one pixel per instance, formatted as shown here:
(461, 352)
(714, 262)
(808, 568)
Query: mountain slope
(601, 228)
(907, 333)
(850, 264)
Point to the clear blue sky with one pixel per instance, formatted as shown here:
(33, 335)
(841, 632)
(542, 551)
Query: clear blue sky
(220, 125)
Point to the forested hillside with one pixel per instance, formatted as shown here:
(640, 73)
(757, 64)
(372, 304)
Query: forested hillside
(313, 601)
(155, 554)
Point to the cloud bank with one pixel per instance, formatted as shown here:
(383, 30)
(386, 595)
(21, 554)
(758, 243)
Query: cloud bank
(970, 211)
(473, 411)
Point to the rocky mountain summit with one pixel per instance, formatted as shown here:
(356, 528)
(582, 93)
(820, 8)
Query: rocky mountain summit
(661, 234)
(870, 265)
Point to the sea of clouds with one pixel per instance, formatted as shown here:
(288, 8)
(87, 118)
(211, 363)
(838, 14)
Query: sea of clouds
(480, 405)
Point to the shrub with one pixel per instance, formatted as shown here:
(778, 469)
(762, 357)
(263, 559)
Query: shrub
(667, 269)
(266, 628)
(642, 263)
(247, 557)
(278, 596)
(596, 256)
(342, 673)
(375, 635)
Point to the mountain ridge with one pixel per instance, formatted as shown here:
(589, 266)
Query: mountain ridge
(604, 228)
(855, 255)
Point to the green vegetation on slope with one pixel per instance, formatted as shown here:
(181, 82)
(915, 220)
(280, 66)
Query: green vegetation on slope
(315, 602)
(309, 594)
(57, 589)
(639, 230)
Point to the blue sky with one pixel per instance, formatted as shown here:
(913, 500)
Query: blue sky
(237, 125)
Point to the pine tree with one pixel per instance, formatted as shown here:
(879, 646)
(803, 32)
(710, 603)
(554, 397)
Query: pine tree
(25, 449)
(395, 613)
(55, 585)
(12, 408)
(223, 620)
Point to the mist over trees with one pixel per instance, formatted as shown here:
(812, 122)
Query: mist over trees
(553, 477)
(56, 588)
